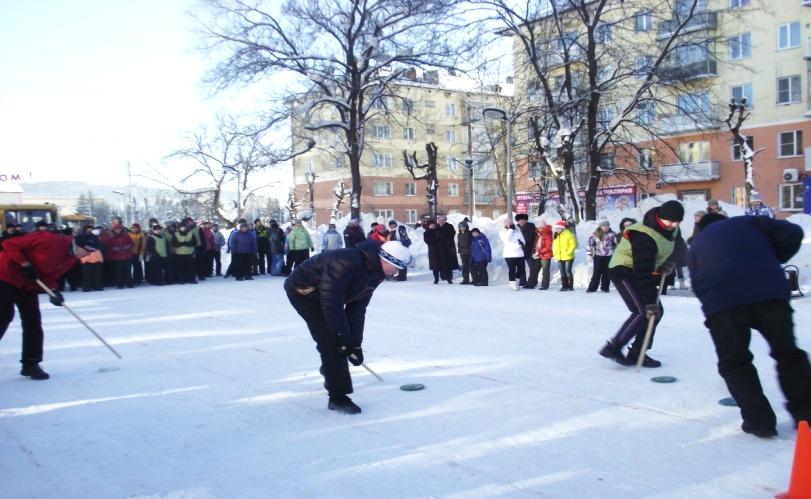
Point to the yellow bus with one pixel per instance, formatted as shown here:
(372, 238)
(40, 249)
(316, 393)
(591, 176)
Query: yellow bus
(78, 221)
(27, 215)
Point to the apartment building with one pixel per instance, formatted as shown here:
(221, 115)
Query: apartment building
(423, 107)
(751, 49)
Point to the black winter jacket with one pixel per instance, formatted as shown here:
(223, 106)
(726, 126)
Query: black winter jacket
(528, 231)
(343, 281)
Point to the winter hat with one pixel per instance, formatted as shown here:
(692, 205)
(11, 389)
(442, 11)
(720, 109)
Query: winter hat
(559, 225)
(521, 216)
(699, 213)
(392, 222)
(136, 225)
(755, 196)
(156, 227)
(257, 220)
(395, 253)
(708, 219)
(41, 223)
(604, 222)
(672, 211)
(713, 202)
(476, 230)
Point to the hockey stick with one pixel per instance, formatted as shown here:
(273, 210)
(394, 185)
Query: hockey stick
(363, 365)
(64, 305)
(649, 331)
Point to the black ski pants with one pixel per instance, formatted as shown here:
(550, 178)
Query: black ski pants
(122, 273)
(600, 275)
(185, 269)
(335, 366)
(92, 278)
(479, 271)
(539, 266)
(137, 270)
(731, 331)
(465, 258)
(635, 325)
(27, 302)
(515, 269)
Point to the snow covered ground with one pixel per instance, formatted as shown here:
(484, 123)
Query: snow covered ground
(218, 395)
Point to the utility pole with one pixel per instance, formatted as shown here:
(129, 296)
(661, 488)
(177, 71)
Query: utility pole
(131, 198)
(469, 164)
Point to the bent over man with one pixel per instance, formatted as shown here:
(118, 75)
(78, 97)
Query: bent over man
(331, 291)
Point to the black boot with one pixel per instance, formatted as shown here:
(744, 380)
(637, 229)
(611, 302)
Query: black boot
(342, 403)
(34, 371)
(613, 352)
(633, 356)
(758, 430)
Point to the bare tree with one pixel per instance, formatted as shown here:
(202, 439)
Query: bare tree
(343, 55)
(598, 74)
(339, 192)
(429, 174)
(738, 113)
(230, 152)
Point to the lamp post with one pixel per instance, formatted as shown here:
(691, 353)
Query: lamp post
(472, 188)
(122, 205)
(500, 114)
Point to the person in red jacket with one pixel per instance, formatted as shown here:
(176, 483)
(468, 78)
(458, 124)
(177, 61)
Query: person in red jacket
(541, 256)
(39, 255)
(118, 251)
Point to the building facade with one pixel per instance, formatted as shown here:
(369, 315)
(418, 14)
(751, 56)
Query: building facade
(422, 108)
(732, 49)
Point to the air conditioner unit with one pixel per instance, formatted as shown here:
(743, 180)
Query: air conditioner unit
(791, 175)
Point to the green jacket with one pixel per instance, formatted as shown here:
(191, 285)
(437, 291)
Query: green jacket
(183, 244)
(299, 239)
(160, 245)
(623, 256)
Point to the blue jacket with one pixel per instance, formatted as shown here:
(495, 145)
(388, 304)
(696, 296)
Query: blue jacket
(243, 242)
(480, 249)
(739, 261)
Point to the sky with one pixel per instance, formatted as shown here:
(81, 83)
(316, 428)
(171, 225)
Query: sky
(89, 86)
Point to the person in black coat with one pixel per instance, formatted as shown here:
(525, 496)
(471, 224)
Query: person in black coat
(528, 231)
(463, 241)
(331, 291)
(736, 270)
(441, 249)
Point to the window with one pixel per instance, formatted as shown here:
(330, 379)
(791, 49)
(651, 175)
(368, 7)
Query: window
(382, 160)
(694, 152)
(408, 133)
(740, 92)
(740, 46)
(788, 36)
(385, 214)
(645, 112)
(643, 21)
(568, 42)
(450, 136)
(430, 103)
(535, 169)
(791, 197)
(646, 159)
(379, 103)
(534, 91)
(381, 131)
(694, 195)
(382, 189)
(737, 4)
(450, 110)
(430, 129)
(606, 163)
(453, 189)
(788, 90)
(453, 165)
(643, 66)
(791, 143)
(692, 53)
(696, 103)
(737, 152)
(407, 105)
(411, 216)
(604, 117)
(603, 34)
(410, 188)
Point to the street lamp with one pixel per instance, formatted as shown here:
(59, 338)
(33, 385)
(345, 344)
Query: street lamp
(122, 205)
(472, 189)
(500, 114)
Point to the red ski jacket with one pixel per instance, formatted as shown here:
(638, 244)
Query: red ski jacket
(49, 253)
(117, 246)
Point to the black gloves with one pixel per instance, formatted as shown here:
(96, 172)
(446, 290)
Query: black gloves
(30, 272)
(667, 268)
(652, 310)
(354, 354)
(57, 298)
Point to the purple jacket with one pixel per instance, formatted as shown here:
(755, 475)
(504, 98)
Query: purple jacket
(604, 247)
(243, 242)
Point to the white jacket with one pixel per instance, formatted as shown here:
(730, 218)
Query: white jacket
(513, 243)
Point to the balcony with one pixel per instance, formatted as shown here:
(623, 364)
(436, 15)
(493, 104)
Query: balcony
(807, 54)
(690, 172)
(676, 71)
(673, 124)
(699, 21)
